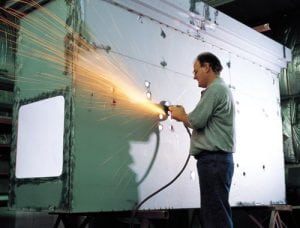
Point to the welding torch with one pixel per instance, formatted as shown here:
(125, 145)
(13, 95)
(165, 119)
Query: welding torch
(165, 106)
(177, 112)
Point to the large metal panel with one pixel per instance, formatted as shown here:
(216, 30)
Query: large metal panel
(132, 47)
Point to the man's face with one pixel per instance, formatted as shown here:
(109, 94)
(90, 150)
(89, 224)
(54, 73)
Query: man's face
(200, 74)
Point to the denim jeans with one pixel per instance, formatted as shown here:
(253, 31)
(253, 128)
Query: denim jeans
(215, 170)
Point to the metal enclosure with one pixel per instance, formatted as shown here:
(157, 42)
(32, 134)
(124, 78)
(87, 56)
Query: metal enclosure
(115, 152)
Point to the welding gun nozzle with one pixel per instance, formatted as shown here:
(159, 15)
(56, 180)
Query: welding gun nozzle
(166, 109)
(165, 106)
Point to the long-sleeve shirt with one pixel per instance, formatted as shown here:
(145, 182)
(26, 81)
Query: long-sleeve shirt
(212, 120)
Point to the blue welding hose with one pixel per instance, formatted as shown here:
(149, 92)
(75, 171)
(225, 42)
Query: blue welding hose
(162, 188)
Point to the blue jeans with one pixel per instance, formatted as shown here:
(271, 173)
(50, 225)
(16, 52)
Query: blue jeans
(215, 170)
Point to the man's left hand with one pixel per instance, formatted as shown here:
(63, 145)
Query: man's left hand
(177, 112)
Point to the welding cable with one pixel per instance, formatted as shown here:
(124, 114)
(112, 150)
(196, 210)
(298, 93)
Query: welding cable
(152, 160)
(162, 188)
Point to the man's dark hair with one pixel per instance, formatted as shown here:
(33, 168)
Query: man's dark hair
(212, 60)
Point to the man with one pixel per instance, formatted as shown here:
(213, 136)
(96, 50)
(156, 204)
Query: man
(212, 141)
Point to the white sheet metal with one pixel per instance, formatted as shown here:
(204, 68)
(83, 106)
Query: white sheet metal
(132, 29)
(230, 34)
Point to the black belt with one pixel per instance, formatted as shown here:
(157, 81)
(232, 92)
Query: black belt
(209, 152)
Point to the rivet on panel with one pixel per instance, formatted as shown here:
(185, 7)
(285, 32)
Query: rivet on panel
(172, 128)
(147, 84)
(140, 19)
(114, 101)
(160, 127)
(163, 63)
(161, 116)
(228, 64)
(163, 34)
(148, 95)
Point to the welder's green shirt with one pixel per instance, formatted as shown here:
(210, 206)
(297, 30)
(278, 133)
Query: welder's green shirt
(212, 120)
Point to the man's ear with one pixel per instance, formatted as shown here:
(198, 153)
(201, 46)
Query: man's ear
(207, 67)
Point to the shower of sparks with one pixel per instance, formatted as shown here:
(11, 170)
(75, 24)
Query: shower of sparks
(94, 70)
(111, 82)
(101, 80)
